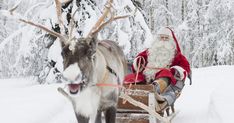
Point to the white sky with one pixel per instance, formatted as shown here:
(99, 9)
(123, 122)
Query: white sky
(209, 100)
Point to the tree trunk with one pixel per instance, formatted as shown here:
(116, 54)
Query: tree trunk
(182, 10)
(167, 15)
(151, 22)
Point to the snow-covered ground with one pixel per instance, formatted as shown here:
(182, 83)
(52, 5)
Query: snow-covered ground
(23, 101)
(209, 100)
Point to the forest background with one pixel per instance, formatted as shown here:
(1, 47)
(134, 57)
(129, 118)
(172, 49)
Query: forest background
(204, 29)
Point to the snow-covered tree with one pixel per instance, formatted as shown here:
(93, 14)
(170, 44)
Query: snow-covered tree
(204, 29)
(29, 45)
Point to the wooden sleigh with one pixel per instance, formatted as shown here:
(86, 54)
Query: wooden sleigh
(138, 105)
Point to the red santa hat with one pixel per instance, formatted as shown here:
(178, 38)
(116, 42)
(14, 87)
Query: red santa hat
(168, 31)
(164, 31)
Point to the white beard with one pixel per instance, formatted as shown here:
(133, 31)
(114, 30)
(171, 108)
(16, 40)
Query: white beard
(160, 55)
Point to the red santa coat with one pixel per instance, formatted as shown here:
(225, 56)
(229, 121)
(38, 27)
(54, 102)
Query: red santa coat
(179, 60)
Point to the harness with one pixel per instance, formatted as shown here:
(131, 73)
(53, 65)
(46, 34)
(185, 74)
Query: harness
(114, 73)
(107, 67)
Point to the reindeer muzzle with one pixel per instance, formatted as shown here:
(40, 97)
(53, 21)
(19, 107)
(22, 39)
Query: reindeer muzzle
(74, 88)
(76, 85)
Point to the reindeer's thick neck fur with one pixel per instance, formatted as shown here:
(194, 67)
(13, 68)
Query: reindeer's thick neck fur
(100, 67)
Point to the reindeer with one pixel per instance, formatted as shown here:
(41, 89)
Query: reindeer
(92, 66)
(93, 69)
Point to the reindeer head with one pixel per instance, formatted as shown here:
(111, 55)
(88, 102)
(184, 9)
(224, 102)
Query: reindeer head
(79, 61)
(78, 54)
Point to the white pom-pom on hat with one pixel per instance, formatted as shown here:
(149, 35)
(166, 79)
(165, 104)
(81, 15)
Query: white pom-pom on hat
(180, 71)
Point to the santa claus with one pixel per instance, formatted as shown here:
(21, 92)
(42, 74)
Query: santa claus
(162, 64)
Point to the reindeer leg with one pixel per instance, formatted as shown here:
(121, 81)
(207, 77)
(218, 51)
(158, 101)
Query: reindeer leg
(168, 111)
(82, 119)
(172, 108)
(98, 117)
(110, 114)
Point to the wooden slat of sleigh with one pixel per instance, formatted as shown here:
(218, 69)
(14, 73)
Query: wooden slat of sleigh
(139, 93)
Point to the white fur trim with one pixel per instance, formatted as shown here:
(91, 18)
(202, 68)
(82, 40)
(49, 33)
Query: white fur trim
(135, 63)
(181, 72)
(164, 31)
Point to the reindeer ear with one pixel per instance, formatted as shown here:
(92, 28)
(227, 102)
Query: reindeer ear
(62, 43)
(92, 43)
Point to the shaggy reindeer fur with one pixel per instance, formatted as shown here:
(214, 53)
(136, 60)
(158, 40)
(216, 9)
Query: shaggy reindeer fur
(85, 65)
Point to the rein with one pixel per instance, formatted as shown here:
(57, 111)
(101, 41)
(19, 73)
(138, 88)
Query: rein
(109, 85)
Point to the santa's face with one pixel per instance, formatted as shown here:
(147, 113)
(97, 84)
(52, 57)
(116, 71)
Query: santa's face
(163, 37)
(160, 55)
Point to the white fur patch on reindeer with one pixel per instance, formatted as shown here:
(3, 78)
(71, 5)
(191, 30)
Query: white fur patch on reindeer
(73, 73)
(72, 46)
(87, 101)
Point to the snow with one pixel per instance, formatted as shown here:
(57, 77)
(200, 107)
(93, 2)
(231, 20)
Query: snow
(209, 99)
(24, 101)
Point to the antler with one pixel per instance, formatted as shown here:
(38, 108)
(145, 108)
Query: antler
(100, 23)
(59, 15)
(62, 38)
(72, 24)
(101, 19)
(97, 27)
(105, 23)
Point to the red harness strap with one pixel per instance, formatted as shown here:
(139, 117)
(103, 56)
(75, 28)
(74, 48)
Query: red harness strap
(109, 85)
